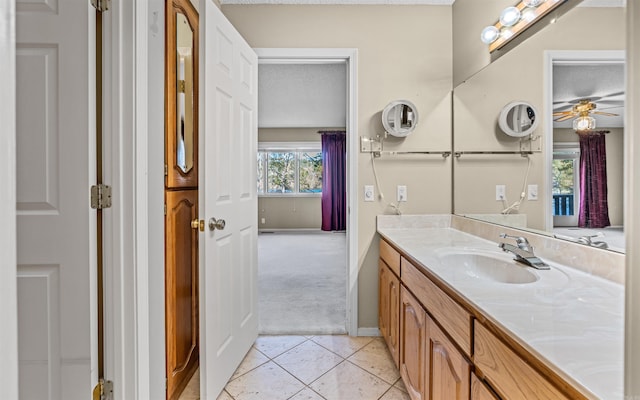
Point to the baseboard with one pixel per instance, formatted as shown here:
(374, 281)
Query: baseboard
(368, 332)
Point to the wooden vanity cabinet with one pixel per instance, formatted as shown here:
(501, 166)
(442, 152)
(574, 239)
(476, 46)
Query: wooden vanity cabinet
(448, 371)
(445, 353)
(389, 309)
(480, 391)
(509, 374)
(431, 366)
(413, 345)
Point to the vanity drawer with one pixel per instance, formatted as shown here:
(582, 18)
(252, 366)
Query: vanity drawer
(390, 256)
(454, 319)
(507, 373)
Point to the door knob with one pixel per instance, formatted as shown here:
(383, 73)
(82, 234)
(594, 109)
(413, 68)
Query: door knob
(216, 224)
(197, 224)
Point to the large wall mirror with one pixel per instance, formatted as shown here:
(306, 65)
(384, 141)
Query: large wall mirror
(578, 59)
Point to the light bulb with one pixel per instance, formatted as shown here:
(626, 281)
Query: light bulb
(529, 14)
(489, 34)
(506, 33)
(510, 16)
(532, 3)
(584, 123)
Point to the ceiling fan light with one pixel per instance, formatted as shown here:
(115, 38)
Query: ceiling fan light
(489, 34)
(532, 3)
(509, 16)
(584, 123)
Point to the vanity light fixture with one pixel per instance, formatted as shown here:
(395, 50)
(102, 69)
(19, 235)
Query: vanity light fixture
(515, 19)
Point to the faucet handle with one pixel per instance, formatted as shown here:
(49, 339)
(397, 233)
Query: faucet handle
(522, 241)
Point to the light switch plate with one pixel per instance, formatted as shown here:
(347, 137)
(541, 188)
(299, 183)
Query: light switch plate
(532, 192)
(402, 193)
(501, 192)
(369, 193)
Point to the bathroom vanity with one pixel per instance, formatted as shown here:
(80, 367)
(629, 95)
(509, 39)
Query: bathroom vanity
(462, 320)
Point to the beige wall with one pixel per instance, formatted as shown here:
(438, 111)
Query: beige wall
(396, 60)
(289, 212)
(470, 17)
(518, 75)
(615, 168)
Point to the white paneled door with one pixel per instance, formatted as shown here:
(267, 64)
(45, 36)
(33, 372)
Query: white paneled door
(228, 145)
(55, 53)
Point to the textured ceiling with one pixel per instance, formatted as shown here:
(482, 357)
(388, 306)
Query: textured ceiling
(603, 84)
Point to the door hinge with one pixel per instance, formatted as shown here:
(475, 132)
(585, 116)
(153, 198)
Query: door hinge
(101, 5)
(100, 196)
(103, 390)
(166, 170)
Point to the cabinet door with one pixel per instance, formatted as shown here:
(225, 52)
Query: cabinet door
(389, 309)
(449, 372)
(181, 297)
(479, 390)
(413, 342)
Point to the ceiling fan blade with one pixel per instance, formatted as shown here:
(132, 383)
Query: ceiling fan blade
(605, 113)
(559, 113)
(566, 117)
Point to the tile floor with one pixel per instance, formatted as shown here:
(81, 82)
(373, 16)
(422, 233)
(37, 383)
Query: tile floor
(331, 367)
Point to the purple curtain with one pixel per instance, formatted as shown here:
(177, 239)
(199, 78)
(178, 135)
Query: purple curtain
(334, 198)
(594, 209)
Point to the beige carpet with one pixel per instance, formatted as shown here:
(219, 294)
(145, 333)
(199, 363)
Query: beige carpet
(302, 283)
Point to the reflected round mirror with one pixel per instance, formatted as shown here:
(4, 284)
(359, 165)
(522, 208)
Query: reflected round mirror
(518, 119)
(400, 118)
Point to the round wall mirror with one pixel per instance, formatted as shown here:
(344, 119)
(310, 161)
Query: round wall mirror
(518, 119)
(400, 118)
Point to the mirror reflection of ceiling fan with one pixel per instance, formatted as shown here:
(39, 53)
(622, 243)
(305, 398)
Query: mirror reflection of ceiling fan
(582, 113)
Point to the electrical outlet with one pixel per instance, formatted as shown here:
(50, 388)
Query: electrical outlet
(402, 193)
(532, 192)
(369, 193)
(263, 221)
(501, 192)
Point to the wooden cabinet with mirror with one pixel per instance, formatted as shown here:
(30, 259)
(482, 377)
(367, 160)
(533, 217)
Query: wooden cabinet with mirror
(181, 195)
(181, 93)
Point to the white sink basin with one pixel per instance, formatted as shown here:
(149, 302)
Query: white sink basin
(489, 267)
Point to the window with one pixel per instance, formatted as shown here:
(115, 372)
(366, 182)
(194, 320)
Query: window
(288, 170)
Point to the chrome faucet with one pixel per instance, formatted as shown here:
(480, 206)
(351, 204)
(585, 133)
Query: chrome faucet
(597, 243)
(523, 251)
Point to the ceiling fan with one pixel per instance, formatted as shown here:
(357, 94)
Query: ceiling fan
(582, 109)
(582, 113)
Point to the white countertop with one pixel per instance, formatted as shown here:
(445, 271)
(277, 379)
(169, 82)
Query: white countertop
(572, 321)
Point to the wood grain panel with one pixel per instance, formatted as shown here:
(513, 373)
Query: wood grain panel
(453, 318)
(181, 286)
(390, 256)
(448, 370)
(479, 391)
(413, 345)
(508, 374)
(389, 309)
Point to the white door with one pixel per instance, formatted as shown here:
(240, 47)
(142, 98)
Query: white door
(228, 258)
(55, 60)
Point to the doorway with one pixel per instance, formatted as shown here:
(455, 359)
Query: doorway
(572, 79)
(346, 58)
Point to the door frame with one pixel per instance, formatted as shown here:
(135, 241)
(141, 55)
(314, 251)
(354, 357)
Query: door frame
(8, 272)
(350, 57)
(552, 57)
